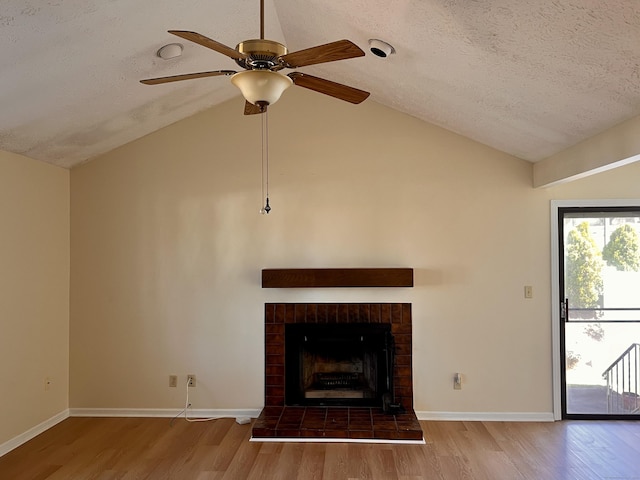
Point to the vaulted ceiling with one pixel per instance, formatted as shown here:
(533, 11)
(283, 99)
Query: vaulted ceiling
(527, 78)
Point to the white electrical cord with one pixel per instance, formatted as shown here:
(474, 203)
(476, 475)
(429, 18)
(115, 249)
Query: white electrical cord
(187, 405)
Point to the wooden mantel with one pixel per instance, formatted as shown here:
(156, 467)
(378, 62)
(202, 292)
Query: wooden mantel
(336, 277)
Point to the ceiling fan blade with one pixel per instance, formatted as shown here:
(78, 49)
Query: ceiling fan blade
(207, 42)
(186, 76)
(251, 109)
(330, 52)
(333, 89)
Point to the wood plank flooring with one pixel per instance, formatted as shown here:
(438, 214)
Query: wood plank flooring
(152, 448)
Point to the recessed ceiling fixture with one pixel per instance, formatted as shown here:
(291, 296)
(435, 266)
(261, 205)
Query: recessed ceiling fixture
(380, 48)
(172, 50)
(262, 84)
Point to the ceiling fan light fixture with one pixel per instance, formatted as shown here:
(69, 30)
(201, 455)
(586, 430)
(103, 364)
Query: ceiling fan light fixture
(261, 86)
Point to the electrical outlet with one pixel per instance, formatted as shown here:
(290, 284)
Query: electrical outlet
(47, 384)
(173, 380)
(191, 380)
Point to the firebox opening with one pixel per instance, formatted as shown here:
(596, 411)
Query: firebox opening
(338, 364)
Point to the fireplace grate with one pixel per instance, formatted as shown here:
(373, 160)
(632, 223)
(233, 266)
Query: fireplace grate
(337, 380)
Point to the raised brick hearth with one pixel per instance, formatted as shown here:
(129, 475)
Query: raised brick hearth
(278, 420)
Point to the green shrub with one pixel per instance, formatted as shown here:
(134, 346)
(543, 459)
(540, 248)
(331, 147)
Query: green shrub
(583, 280)
(622, 251)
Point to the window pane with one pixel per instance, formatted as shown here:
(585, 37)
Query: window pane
(594, 350)
(602, 265)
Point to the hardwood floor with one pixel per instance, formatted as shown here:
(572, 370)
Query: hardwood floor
(150, 448)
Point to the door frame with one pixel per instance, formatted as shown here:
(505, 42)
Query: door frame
(556, 301)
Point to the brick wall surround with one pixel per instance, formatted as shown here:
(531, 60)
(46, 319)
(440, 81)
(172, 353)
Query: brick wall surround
(277, 315)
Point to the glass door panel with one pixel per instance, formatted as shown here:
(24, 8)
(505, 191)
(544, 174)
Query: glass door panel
(600, 329)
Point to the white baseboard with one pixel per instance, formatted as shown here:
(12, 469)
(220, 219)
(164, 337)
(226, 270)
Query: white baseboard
(15, 442)
(487, 416)
(163, 412)
(253, 413)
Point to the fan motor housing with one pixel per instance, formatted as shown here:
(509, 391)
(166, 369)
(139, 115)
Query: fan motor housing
(262, 54)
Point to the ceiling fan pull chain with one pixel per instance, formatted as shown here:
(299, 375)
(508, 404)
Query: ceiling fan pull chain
(262, 164)
(265, 162)
(265, 116)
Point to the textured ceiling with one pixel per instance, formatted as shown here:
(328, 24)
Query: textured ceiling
(528, 78)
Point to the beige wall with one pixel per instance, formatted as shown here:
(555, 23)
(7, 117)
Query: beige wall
(34, 293)
(167, 247)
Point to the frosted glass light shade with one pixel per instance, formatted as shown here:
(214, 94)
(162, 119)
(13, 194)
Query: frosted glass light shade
(261, 85)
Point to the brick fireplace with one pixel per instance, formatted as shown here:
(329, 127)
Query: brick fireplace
(386, 413)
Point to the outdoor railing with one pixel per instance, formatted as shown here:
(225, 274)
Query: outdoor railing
(623, 382)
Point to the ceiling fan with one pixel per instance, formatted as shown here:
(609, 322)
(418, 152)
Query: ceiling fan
(261, 83)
